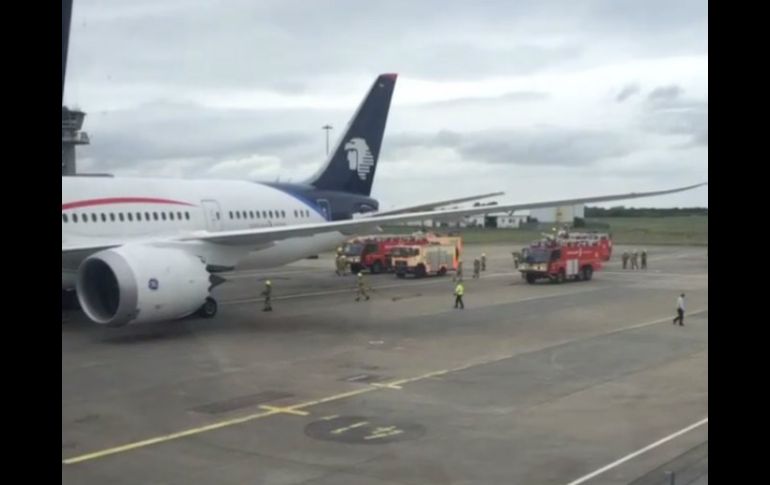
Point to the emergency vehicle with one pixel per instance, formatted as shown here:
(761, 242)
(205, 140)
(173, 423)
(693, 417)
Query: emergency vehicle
(602, 240)
(559, 260)
(373, 252)
(439, 256)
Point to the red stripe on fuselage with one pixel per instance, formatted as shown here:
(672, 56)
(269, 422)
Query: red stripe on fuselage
(121, 200)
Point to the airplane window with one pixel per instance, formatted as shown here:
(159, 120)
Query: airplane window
(251, 214)
(179, 216)
(74, 217)
(112, 217)
(120, 216)
(237, 215)
(163, 215)
(264, 214)
(138, 216)
(295, 212)
(130, 217)
(84, 217)
(257, 212)
(283, 214)
(155, 216)
(231, 214)
(243, 214)
(64, 218)
(146, 216)
(171, 215)
(104, 217)
(270, 213)
(93, 217)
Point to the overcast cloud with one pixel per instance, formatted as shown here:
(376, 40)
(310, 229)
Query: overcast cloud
(540, 99)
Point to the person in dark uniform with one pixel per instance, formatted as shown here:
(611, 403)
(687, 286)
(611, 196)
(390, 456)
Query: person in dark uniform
(680, 310)
(266, 293)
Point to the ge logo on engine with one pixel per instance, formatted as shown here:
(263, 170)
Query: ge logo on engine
(153, 284)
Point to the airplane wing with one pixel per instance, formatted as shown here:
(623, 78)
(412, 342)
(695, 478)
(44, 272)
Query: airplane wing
(261, 235)
(435, 205)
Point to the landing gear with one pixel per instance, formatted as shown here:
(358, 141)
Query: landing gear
(69, 300)
(208, 309)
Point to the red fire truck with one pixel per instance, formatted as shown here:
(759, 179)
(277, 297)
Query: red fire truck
(602, 241)
(560, 259)
(373, 252)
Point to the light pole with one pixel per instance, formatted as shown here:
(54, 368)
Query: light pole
(327, 128)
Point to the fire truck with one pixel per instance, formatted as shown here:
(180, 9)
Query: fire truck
(558, 260)
(439, 256)
(602, 241)
(373, 252)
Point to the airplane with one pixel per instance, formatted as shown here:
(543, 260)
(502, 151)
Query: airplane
(148, 249)
(143, 250)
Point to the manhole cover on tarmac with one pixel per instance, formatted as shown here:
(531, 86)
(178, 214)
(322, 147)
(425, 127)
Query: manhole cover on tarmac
(363, 430)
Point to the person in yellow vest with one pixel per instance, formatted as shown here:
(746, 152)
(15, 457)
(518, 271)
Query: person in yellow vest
(459, 292)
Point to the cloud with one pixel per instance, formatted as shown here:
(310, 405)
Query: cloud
(628, 91)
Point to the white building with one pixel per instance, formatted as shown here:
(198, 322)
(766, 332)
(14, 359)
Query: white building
(564, 214)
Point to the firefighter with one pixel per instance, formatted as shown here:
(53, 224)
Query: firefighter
(476, 268)
(516, 258)
(625, 259)
(635, 259)
(459, 272)
(483, 261)
(340, 262)
(266, 293)
(459, 291)
(361, 288)
(680, 310)
(644, 259)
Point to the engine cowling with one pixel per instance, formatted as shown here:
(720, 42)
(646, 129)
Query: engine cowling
(140, 283)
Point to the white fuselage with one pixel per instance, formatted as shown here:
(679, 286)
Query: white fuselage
(111, 211)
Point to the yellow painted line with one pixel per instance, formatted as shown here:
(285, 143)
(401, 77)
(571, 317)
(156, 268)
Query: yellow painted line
(270, 410)
(168, 437)
(287, 410)
(348, 428)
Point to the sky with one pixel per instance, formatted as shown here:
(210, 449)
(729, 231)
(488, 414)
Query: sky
(540, 99)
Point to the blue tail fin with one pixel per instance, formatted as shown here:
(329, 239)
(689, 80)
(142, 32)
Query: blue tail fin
(352, 163)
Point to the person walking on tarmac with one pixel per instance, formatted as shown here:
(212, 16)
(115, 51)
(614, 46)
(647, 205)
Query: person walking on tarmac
(680, 310)
(361, 288)
(459, 272)
(459, 291)
(635, 259)
(625, 259)
(266, 293)
(483, 261)
(476, 267)
(644, 259)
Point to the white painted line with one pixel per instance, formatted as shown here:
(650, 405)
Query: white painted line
(639, 452)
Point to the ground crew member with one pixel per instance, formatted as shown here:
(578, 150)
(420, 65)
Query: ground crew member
(483, 261)
(340, 262)
(459, 272)
(266, 293)
(459, 291)
(680, 310)
(625, 259)
(635, 259)
(515, 259)
(361, 288)
(476, 267)
(644, 259)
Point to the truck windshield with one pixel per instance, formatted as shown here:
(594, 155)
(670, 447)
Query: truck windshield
(402, 252)
(352, 249)
(536, 255)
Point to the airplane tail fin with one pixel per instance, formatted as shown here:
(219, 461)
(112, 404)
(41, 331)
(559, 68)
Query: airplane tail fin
(353, 161)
